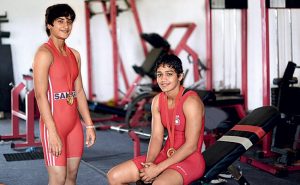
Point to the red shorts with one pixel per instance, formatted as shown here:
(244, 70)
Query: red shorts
(72, 142)
(191, 169)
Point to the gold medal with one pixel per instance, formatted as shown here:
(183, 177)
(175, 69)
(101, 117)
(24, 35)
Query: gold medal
(170, 152)
(70, 99)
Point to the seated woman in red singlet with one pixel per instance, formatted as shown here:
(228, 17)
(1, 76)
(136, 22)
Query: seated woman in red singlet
(60, 95)
(180, 160)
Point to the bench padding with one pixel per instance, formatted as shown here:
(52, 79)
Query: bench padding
(238, 140)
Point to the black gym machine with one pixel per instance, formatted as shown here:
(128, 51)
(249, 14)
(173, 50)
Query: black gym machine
(279, 155)
(284, 148)
(6, 70)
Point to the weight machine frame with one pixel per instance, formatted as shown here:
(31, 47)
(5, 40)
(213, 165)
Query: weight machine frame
(267, 141)
(28, 116)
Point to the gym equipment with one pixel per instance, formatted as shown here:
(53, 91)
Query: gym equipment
(229, 97)
(28, 116)
(110, 15)
(228, 5)
(286, 98)
(139, 110)
(3, 34)
(160, 47)
(31, 153)
(135, 135)
(111, 10)
(234, 143)
(266, 5)
(122, 110)
(6, 69)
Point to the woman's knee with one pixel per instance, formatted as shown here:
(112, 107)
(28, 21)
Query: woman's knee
(57, 179)
(57, 175)
(72, 168)
(113, 176)
(72, 174)
(123, 173)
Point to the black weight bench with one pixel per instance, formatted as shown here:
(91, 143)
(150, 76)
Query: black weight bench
(234, 143)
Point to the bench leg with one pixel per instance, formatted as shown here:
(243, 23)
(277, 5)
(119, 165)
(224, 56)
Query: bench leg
(237, 175)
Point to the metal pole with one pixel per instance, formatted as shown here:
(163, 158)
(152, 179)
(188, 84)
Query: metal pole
(113, 22)
(89, 52)
(244, 58)
(265, 53)
(209, 72)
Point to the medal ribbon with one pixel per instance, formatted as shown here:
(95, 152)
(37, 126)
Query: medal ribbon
(69, 72)
(171, 124)
(69, 79)
(70, 97)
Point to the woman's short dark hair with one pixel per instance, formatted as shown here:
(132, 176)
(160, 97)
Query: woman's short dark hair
(58, 10)
(171, 61)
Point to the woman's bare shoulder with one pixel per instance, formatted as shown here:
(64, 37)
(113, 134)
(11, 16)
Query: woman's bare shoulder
(155, 103)
(44, 54)
(193, 102)
(43, 50)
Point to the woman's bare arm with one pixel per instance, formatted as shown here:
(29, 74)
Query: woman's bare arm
(42, 62)
(157, 132)
(83, 106)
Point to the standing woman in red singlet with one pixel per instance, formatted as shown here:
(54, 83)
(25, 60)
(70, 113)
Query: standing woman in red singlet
(182, 113)
(60, 96)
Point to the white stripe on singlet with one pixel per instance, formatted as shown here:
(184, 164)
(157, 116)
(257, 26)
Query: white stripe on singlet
(50, 157)
(46, 137)
(236, 139)
(46, 144)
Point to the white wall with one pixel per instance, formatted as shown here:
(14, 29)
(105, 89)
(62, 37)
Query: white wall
(27, 33)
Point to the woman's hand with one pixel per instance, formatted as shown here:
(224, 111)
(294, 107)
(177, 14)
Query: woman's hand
(90, 136)
(55, 144)
(149, 172)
